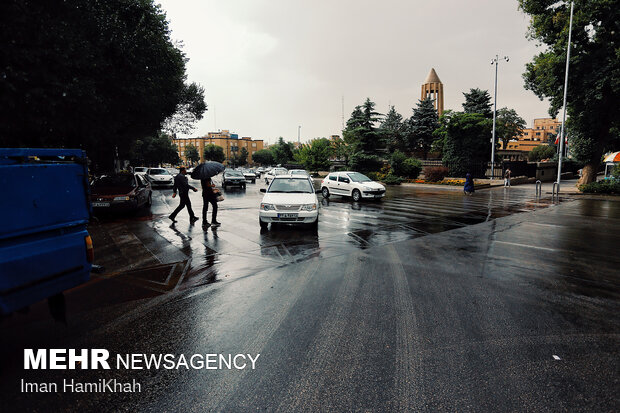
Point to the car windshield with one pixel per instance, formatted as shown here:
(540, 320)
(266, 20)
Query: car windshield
(280, 171)
(291, 185)
(234, 173)
(139, 169)
(158, 172)
(358, 177)
(115, 181)
(299, 173)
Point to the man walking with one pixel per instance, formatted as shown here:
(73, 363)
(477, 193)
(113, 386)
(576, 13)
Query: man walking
(208, 197)
(180, 183)
(507, 177)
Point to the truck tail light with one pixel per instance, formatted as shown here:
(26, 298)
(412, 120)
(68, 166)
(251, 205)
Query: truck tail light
(90, 251)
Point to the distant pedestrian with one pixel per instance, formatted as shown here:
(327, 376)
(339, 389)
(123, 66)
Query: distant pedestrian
(209, 197)
(181, 184)
(507, 177)
(469, 185)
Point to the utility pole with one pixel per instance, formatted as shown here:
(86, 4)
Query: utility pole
(495, 62)
(299, 135)
(570, 29)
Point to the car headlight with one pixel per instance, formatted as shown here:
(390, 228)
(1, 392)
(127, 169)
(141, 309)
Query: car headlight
(267, 207)
(121, 198)
(366, 188)
(308, 207)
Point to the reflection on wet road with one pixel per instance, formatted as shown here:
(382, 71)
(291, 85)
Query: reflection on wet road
(239, 248)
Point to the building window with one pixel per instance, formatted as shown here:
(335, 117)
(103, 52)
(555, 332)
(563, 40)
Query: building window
(253, 144)
(537, 133)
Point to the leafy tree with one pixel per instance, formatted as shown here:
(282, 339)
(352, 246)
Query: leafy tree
(363, 138)
(340, 149)
(315, 155)
(478, 101)
(282, 151)
(393, 130)
(594, 75)
(508, 124)
(214, 153)
(541, 152)
(242, 159)
(421, 126)
(191, 154)
(96, 75)
(154, 151)
(263, 157)
(440, 133)
(189, 110)
(467, 137)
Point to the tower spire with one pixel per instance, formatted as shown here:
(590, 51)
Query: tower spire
(433, 88)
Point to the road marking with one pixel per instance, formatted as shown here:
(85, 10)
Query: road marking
(530, 246)
(556, 357)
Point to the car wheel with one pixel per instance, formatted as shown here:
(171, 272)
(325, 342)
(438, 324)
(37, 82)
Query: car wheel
(263, 225)
(356, 195)
(315, 226)
(325, 192)
(253, 181)
(243, 186)
(149, 201)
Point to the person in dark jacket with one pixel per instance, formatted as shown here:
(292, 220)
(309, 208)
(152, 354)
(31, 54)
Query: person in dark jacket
(181, 184)
(469, 185)
(208, 197)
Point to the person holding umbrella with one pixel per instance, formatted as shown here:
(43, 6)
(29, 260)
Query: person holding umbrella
(181, 184)
(204, 172)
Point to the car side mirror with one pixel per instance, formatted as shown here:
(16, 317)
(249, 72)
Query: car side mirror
(263, 190)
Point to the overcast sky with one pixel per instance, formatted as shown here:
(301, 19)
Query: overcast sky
(269, 66)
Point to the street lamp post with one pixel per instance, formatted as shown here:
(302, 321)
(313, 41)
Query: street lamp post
(561, 142)
(298, 135)
(495, 62)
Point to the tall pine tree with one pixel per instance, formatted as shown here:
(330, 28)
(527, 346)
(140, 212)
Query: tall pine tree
(421, 126)
(478, 101)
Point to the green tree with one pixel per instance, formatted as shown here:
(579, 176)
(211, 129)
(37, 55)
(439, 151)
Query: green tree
(421, 126)
(364, 138)
(466, 142)
(393, 130)
(341, 150)
(242, 158)
(594, 75)
(315, 155)
(154, 151)
(282, 151)
(214, 153)
(478, 101)
(541, 152)
(96, 75)
(508, 125)
(191, 154)
(440, 133)
(263, 157)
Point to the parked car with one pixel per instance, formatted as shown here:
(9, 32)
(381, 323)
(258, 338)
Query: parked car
(173, 171)
(289, 199)
(249, 175)
(233, 178)
(261, 170)
(140, 170)
(159, 177)
(274, 172)
(121, 192)
(353, 184)
(300, 172)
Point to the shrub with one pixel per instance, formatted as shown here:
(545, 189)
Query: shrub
(411, 168)
(391, 179)
(435, 173)
(607, 186)
(396, 162)
(541, 152)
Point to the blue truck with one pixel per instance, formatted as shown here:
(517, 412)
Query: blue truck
(45, 208)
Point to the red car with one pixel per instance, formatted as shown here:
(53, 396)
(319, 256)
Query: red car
(120, 192)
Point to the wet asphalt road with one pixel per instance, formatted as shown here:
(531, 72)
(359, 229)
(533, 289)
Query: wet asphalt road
(426, 301)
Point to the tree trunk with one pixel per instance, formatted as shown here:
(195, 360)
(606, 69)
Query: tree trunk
(588, 174)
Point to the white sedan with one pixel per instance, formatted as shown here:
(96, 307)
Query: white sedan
(353, 184)
(291, 200)
(275, 172)
(159, 177)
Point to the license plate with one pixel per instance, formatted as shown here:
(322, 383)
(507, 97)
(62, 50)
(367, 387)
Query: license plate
(101, 204)
(378, 196)
(287, 215)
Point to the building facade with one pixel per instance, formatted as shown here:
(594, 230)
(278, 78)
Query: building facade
(543, 131)
(231, 143)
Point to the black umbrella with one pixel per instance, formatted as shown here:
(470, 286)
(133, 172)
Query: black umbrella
(207, 170)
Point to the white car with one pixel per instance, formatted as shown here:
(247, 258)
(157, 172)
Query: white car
(275, 172)
(291, 200)
(140, 170)
(353, 184)
(299, 172)
(159, 177)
